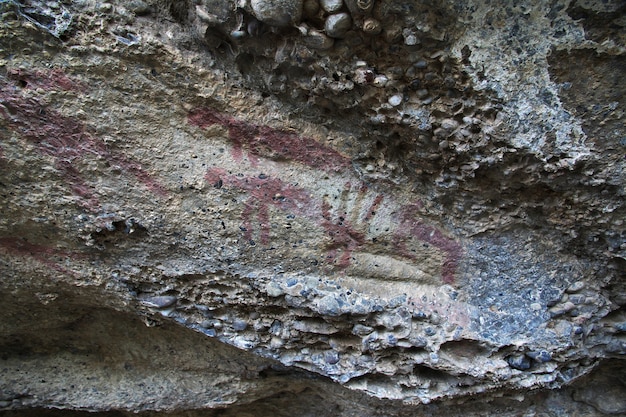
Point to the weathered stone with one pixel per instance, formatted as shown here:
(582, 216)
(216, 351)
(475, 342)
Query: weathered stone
(337, 25)
(520, 362)
(278, 12)
(218, 208)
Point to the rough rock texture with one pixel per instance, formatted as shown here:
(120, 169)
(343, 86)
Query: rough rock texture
(210, 212)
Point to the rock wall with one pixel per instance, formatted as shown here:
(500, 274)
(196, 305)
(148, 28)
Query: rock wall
(287, 207)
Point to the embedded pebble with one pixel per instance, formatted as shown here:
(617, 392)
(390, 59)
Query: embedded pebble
(421, 64)
(520, 362)
(331, 357)
(410, 39)
(331, 6)
(274, 290)
(380, 81)
(310, 8)
(575, 287)
(423, 93)
(159, 301)
(361, 330)
(395, 100)
(577, 298)
(139, 7)
(360, 7)
(620, 327)
(313, 326)
(561, 309)
(318, 40)
(372, 26)
(105, 7)
(278, 12)
(540, 356)
(239, 325)
(276, 343)
(328, 305)
(337, 25)
(361, 307)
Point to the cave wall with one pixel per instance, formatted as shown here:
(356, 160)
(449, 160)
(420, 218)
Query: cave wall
(229, 207)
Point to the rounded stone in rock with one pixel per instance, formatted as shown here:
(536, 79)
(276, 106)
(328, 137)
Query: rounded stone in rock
(318, 40)
(372, 26)
(520, 362)
(273, 289)
(575, 287)
(240, 325)
(540, 356)
(159, 301)
(331, 6)
(395, 100)
(328, 305)
(139, 7)
(360, 7)
(331, 357)
(421, 64)
(310, 8)
(361, 330)
(338, 25)
(278, 12)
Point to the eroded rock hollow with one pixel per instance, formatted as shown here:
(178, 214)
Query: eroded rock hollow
(303, 207)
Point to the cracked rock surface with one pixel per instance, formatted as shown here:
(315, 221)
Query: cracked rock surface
(283, 207)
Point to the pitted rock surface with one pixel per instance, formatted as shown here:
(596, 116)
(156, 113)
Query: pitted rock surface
(363, 208)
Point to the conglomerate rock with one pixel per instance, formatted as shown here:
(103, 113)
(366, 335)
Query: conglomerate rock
(295, 208)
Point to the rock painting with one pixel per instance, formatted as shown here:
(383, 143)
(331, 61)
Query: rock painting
(373, 223)
(64, 138)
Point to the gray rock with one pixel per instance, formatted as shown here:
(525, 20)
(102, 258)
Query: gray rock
(331, 6)
(540, 356)
(159, 301)
(338, 25)
(322, 241)
(139, 7)
(361, 330)
(328, 306)
(278, 12)
(521, 362)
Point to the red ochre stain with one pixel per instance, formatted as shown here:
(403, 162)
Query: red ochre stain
(410, 226)
(65, 139)
(372, 210)
(267, 142)
(42, 254)
(265, 192)
(54, 79)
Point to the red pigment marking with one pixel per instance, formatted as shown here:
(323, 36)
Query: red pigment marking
(410, 227)
(271, 143)
(265, 192)
(48, 80)
(372, 210)
(342, 235)
(42, 254)
(65, 139)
